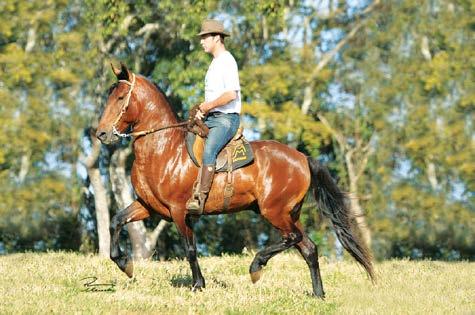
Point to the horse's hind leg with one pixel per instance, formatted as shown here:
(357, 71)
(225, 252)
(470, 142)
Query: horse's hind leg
(290, 237)
(135, 212)
(308, 249)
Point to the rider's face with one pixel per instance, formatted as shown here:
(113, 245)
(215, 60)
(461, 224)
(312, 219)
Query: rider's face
(208, 42)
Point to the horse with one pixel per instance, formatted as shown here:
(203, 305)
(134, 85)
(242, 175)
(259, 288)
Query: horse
(274, 185)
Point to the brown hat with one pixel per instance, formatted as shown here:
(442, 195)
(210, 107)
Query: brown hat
(212, 27)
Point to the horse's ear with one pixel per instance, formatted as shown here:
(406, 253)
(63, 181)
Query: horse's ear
(115, 70)
(123, 73)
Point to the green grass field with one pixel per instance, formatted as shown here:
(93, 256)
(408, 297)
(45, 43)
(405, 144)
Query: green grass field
(51, 283)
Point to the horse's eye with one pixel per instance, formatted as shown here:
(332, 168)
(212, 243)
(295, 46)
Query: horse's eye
(121, 98)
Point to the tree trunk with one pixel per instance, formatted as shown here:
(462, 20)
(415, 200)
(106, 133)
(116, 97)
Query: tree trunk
(354, 168)
(24, 167)
(102, 211)
(356, 208)
(432, 174)
(101, 202)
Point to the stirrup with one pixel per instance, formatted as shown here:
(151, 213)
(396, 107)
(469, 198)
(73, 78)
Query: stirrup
(195, 205)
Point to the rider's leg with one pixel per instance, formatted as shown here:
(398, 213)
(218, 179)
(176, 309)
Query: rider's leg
(222, 129)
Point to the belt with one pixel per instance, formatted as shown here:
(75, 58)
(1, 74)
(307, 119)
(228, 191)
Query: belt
(217, 113)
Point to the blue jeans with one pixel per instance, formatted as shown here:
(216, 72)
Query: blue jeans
(222, 128)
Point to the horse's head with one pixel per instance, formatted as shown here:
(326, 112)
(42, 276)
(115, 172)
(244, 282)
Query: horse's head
(121, 107)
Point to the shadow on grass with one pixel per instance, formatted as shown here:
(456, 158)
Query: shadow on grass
(219, 283)
(181, 281)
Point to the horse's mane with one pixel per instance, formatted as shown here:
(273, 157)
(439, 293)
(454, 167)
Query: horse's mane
(159, 89)
(112, 87)
(115, 84)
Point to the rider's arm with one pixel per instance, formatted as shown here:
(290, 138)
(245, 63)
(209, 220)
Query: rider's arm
(223, 99)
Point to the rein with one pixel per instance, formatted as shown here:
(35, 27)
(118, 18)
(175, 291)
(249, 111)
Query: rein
(124, 109)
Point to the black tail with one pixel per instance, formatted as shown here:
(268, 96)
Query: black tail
(333, 202)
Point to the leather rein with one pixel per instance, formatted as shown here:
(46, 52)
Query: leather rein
(124, 109)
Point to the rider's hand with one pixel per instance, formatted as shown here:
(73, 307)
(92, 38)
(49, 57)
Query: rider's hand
(199, 114)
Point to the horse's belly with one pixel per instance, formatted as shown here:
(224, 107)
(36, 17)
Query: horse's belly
(243, 192)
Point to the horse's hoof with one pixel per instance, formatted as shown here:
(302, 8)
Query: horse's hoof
(196, 288)
(319, 296)
(129, 269)
(256, 275)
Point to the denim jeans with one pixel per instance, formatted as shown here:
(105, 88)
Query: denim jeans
(222, 127)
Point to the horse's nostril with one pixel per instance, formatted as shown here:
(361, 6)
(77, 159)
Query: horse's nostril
(101, 135)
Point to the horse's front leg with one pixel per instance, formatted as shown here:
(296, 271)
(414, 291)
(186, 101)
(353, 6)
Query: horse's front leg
(184, 225)
(135, 212)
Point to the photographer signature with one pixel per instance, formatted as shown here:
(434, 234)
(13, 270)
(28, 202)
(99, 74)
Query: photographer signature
(90, 285)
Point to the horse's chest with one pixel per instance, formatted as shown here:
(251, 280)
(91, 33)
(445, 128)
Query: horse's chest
(145, 186)
(157, 188)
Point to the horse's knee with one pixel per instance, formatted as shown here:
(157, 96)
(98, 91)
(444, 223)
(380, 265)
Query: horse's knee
(191, 253)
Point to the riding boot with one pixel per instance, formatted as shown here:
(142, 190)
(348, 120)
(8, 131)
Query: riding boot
(196, 204)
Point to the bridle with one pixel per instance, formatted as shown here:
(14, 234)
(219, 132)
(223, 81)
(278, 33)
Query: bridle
(124, 109)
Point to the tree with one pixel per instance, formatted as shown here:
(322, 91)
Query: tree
(39, 195)
(410, 70)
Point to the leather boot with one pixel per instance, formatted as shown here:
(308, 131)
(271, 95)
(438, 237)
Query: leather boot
(196, 204)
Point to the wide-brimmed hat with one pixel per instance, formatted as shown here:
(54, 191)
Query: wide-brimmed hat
(212, 27)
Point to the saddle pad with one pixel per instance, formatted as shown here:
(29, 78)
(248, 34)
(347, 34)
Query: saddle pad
(241, 152)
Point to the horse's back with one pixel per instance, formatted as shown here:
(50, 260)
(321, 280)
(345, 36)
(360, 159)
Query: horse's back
(272, 153)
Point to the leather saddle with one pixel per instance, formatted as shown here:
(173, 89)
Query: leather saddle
(237, 153)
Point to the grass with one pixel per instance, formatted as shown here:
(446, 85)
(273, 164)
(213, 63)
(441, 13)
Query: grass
(51, 283)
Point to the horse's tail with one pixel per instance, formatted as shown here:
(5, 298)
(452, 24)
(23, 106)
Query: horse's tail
(333, 203)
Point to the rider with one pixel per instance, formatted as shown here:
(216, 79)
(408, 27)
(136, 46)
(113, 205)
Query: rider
(221, 108)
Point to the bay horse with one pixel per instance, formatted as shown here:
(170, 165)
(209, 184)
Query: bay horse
(274, 185)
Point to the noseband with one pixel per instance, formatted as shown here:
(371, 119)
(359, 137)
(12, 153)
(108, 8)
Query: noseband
(124, 109)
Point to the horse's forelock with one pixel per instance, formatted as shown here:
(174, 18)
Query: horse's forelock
(112, 87)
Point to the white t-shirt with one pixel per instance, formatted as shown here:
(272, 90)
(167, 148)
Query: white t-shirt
(222, 76)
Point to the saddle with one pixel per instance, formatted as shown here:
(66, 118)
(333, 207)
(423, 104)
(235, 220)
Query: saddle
(236, 154)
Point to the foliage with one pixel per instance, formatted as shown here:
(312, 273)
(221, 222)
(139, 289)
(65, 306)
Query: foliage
(410, 73)
(40, 52)
(401, 87)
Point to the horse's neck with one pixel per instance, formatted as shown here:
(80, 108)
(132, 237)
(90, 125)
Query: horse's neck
(155, 115)
(160, 146)
(156, 112)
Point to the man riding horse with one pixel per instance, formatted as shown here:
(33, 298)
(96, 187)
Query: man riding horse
(220, 109)
(163, 172)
